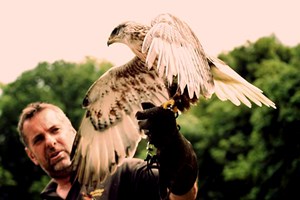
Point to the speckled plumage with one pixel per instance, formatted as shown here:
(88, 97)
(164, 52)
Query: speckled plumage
(109, 132)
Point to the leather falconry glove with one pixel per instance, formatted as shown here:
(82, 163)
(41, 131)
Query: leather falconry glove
(176, 158)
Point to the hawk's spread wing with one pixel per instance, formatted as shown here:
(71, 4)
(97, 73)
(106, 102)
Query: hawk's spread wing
(179, 53)
(109, 131)
(229, 85)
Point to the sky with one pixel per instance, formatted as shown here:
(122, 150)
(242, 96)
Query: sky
(34, 31)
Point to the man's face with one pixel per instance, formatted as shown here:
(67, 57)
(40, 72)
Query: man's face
(50, 137)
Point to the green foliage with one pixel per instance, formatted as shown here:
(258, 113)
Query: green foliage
(37, 186)
(6, 178)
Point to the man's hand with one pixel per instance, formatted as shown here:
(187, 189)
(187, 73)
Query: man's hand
(158, 123)
(177, 160)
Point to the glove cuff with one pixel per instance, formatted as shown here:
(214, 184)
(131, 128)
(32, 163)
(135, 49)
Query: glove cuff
(178, 165)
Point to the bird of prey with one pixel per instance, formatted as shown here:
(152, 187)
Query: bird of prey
(171, 47)
(169, 64)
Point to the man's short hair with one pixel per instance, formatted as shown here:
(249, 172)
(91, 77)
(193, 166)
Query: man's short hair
(30, 111)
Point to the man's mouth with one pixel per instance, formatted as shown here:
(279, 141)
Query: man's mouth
(56, 157)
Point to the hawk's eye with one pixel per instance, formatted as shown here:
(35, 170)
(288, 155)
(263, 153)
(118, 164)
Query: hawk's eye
(115, 31)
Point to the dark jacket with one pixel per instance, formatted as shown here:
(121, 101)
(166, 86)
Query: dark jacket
(132, 180)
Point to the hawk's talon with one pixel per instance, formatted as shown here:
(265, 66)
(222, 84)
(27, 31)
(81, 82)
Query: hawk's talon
(170, 104)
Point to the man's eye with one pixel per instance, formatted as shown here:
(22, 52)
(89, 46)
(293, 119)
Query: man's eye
(37, 139)
(55, 130)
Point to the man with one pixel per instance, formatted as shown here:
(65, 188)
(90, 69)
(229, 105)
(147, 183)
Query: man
(48, 136)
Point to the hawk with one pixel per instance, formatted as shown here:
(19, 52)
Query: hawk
(169, 64)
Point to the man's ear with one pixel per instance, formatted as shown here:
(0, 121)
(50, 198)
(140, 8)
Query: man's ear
(31, 156)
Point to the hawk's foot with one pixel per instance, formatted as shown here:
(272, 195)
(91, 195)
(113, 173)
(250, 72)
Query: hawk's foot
(170, 104)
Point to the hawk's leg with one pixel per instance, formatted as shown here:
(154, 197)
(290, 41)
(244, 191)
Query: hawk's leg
(170, 104)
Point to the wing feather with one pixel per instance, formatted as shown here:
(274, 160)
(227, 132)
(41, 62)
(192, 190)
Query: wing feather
(179, 53)
(229, 85)
(109, 131)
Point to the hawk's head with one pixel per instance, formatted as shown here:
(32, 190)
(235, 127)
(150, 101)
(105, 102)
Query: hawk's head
(129, 33)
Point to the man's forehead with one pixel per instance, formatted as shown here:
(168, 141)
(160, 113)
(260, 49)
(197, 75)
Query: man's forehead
(45, 118)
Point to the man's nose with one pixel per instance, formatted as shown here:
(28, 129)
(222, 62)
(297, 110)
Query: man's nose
(50, 140)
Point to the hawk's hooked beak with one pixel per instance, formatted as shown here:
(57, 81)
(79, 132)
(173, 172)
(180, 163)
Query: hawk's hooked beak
(110, 41)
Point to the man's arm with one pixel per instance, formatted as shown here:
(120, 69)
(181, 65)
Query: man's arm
(177, 160)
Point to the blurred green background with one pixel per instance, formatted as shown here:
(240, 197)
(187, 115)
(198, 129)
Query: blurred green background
(242, 153)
